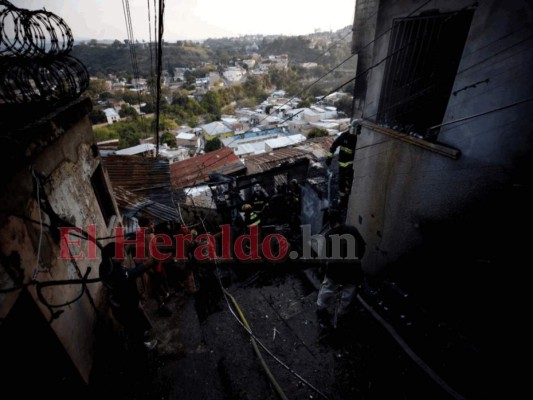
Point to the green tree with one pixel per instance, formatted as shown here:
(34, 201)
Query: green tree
(97, 116)
(169, 139)
(212, 145)
(317, 132)
(211, 103)
(96, 88)
(344, 105)
(128, 138)
(304, 104)
(127, 111)
(105, 133)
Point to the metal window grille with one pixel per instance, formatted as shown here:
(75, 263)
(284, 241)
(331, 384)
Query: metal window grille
(424, 53)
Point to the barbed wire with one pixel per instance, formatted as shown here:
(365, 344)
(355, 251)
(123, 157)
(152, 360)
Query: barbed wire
(35, 66)
(42, 80)
(30, 33)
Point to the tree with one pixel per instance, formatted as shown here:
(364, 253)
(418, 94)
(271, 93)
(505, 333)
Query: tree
(105, 133)
(317, 132)
(344, 105)
(127, 111)
(96, 88)
(211, 102)
(212, 145)
(129, 138)
(97, 116)
(304, 104)
(169, 139)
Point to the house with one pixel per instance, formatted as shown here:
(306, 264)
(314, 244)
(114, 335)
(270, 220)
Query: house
(234, 74)
(196, 170)
(216, 129)
(145, 150)
(53, 179)
(112, 115)
(443, 164)
(186, 139)
(148, 177)
(284, 141)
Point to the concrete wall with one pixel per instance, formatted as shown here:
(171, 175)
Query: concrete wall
(67, 163)
(364, 32)
(407, 199)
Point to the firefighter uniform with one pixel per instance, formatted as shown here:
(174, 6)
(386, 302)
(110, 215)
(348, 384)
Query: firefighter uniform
(347, 142)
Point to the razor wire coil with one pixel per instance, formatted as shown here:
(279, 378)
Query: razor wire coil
(34, 61)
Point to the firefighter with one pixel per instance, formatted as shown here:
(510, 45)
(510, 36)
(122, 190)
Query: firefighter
(259, 199)
(347, 141)
(251, 218)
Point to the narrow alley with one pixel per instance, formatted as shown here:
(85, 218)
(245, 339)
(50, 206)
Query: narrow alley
(204, 352)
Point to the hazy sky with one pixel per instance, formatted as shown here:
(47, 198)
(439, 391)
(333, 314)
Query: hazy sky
(199, 19)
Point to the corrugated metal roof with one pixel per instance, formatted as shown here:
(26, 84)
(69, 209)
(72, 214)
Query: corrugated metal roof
(147, 177)
(133, 205)
(185, 136)
(313, 149)
(267, 161)
(216, 128)
(284, 141)
(140, 148)
(196, 170)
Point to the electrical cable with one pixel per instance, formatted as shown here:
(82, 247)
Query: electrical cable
(482, 113)
(37, 268)
(255, 340)
(347, 59)
(159, 70)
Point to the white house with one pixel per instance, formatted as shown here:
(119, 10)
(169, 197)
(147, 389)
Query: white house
(112, 115)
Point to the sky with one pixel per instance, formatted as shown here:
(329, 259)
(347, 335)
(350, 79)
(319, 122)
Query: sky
(199, 19)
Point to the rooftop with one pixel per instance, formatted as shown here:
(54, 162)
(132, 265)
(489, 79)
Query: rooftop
(196, 170)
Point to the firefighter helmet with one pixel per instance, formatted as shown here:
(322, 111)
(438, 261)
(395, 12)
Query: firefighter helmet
(355, 126)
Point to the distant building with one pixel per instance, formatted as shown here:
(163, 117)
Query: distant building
(145, 150)
(216, 129)
(186, 139)
(234, 74)
(111, 115)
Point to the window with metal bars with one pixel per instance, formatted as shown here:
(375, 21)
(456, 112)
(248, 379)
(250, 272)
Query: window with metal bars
(424, 53)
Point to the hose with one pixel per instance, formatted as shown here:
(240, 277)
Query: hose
(432, 374)
(276, 385)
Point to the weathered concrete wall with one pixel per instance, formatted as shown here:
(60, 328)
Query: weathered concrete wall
(406, 198)
(66, 164)
(364, 32)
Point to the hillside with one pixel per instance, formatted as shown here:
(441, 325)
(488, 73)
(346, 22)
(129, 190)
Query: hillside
(102, 58)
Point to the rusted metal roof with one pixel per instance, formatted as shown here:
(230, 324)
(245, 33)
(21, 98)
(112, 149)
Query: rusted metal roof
(133, 205)
(147, 177)
(314, 149)
(196, 170)
(267, 161)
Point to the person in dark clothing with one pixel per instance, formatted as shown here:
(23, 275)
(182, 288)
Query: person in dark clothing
(260, 201)
(345, 247)
(251, 218)
(124, 297)
(347, 141)
(294, 204)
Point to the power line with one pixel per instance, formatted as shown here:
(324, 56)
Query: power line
(159, 71)
(481, 114)
(347, 59)
(133, 51)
